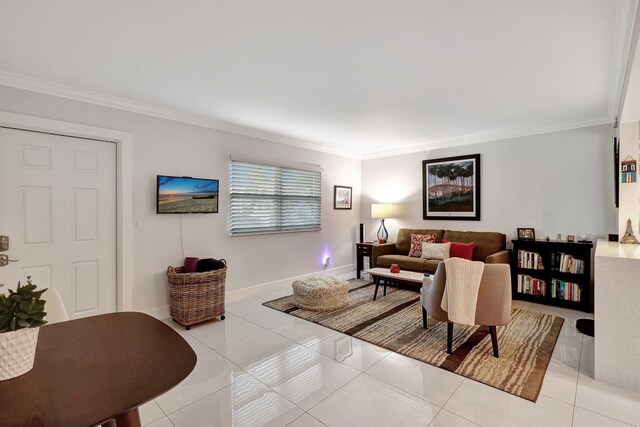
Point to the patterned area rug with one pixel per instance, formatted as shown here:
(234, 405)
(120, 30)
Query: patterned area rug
(395, 323)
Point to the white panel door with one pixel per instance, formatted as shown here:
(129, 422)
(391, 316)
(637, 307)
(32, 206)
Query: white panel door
(58, 207)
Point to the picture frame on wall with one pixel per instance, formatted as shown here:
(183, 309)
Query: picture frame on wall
(342, 197)
(451, 188)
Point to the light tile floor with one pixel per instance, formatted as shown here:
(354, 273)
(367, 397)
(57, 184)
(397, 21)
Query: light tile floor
(262, 367)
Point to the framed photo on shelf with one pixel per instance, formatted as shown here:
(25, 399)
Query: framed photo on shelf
(342, 197)
(451, 188)
(526, 234)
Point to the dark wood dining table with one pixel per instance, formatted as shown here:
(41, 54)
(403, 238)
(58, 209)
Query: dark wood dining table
(96, 371)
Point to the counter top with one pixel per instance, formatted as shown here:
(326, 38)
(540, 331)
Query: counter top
(608, 249)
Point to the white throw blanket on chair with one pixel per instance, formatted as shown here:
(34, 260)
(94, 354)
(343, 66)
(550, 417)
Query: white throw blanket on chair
(461, 289)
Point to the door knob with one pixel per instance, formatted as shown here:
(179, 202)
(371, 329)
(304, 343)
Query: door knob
(4, 260)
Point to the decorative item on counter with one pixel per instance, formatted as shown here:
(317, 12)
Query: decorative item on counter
(613, 237)
(559, 237)
(395, 268)
(584, 237)
(21, 315)
(548, 239)
(628, 170)
(571, 238)
(629, 238)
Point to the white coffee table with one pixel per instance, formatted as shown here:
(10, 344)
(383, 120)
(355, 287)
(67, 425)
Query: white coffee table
(384, 273)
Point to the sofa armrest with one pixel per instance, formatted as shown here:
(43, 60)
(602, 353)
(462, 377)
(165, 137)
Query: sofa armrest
(501, 257)
(381, 249)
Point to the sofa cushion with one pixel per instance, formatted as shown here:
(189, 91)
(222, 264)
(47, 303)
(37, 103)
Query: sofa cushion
(409, 263)
(416, 243)
(487, 243)
(436, 250)
(461, 250)
(430, 265)
(403, 242)
(405, 262)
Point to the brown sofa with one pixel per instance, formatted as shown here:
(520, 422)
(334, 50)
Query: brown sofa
(490, 248)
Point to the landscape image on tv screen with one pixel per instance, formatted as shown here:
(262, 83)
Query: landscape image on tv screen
(187, 195)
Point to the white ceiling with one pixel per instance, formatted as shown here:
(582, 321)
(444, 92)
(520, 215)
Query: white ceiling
(359, 76)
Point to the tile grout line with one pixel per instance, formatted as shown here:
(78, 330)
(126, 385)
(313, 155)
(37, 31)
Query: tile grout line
(575, 395)
(348, 382)
(336, 390)
(404, 391)
(257, 379)
(606, 416)
(302, 415)
(209, 394)
(228, 386)
(595, 412)
(445, 404)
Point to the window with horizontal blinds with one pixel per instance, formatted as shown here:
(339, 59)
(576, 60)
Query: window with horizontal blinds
(273, 199)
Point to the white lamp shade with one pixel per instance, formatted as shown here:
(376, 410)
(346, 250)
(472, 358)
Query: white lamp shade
(381, 210)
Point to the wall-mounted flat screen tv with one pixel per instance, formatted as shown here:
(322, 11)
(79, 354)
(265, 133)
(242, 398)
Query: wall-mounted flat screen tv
(181, 195)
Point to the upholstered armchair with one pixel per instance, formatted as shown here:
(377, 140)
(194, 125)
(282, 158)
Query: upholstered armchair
(494, 301)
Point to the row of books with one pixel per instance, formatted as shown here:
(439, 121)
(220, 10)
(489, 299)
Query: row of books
(559, 288)
(531, 286)
(531, 260)
(565, 290)
(566, 263)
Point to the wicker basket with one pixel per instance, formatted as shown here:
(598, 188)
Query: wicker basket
(196, 297)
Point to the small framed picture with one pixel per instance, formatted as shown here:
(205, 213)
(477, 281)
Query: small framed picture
(571, 238)
(341, 197)
(526, 234)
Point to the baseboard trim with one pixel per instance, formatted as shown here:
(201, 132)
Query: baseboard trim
(161, 312)
(345, 272)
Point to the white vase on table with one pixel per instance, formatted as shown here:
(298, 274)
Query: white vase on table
(17, 352)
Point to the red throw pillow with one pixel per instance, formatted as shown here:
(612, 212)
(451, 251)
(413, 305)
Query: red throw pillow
(416, 243)
(461, 250)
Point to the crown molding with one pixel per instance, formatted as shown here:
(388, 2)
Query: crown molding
(63, 91)
(492, 135)
(50, 88)
(624, 44)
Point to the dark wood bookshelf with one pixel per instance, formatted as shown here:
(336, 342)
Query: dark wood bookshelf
(547, 251)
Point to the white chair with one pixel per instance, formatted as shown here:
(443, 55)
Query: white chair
(54, 307)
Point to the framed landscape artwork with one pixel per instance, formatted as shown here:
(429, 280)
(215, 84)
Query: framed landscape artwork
(341, 197)
(451, 188)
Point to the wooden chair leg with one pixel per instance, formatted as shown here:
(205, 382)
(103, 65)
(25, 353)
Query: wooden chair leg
(494, 340)
(424, 318)
(449, 337)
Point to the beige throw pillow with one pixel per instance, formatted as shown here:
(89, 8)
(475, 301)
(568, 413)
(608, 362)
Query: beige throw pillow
(436, 250)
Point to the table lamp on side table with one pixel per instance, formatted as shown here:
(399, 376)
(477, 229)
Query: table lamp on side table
(382, 211)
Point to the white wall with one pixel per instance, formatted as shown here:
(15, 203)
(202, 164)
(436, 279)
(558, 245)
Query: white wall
(558, 182)
(171, 148)
(629, 192)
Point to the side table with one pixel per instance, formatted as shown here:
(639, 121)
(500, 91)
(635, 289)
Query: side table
(363, 249)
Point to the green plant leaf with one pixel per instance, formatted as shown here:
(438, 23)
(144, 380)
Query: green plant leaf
(22, 308)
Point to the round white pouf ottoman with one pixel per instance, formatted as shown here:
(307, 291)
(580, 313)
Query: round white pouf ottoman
(320, 293)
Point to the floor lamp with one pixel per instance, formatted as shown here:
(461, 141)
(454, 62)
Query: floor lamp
(382, 211)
